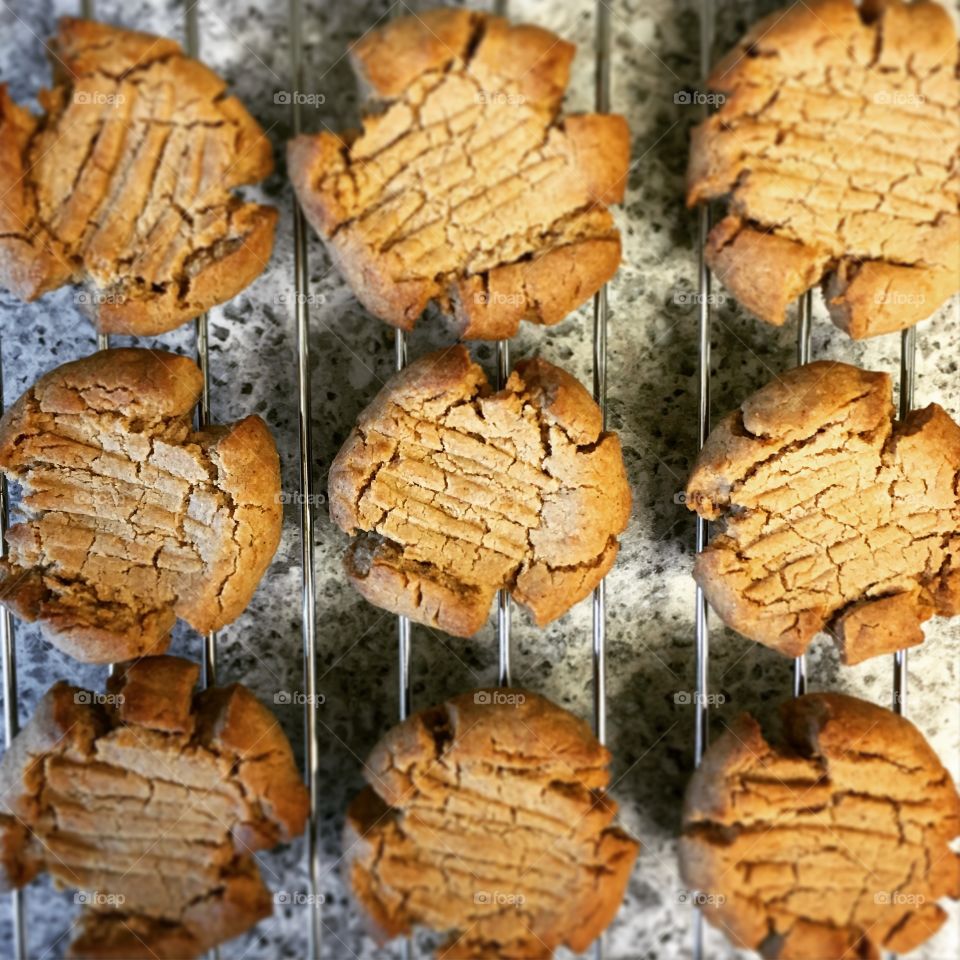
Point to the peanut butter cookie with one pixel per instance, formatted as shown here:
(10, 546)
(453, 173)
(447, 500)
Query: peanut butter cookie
(836, 516)
(132, 518)
(458, 491)
(125, 183)
(836, 151)
(466, 186)
(833, 843)
(151, 801)
(487, 817)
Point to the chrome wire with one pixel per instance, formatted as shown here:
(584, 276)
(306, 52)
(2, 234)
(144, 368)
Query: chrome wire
(11, 715)
(88, 12)
(504, 603)
(908, 361)
(308, 605)
(404, 679)
(201, 324)
(804, 326)
(704, 324)
(601, 313)
(600, 318)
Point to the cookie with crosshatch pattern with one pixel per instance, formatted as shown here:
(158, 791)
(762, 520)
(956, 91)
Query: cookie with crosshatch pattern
(487, 818)
(454, 491)
(125, 184)
(150, 800)
(835, 150)
(466, 186)
(836, 516)
(131, 518)
(831, 841)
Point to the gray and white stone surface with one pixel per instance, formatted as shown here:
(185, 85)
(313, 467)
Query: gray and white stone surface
(652, 403)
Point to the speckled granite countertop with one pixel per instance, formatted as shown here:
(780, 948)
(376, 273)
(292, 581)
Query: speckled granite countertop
(652, 401)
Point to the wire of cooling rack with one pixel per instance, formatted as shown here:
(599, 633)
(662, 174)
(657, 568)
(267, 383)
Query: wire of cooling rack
(504, 602)
(701, 734)
(804, 325)
(600, 319)
(704, 323)
(908, 360)
(87, 11)
(404, 649)
(601, 314)
(11, 714)
(308, 606)
(201, 325)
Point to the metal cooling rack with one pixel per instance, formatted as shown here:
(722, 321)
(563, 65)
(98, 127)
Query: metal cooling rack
(908, 351)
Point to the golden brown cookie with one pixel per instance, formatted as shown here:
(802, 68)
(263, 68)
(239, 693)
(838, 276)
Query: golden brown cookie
(465, 186)
(132, 518)
(836, 516)
(458, 492)
(125, 183)
(835, 150)
(151, 800)
(831, 843)
(487, 818)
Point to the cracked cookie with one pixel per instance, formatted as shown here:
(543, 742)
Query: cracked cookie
(125, 183)
(151, 800)
(466, 187)
(457, 492)
(832, 843)
(836, 152)
(836, 516)
(131, 517)
(487, 818)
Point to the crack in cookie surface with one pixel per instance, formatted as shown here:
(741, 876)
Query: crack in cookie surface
(831, 843)
(132, 518)
(459, 492)
(487, 818)
(837, 150)
(125, 183)
(467, 188)
(836, 516)
(152, 802)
